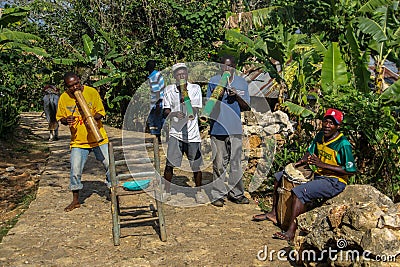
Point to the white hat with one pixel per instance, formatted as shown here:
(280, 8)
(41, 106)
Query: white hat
(178, 66)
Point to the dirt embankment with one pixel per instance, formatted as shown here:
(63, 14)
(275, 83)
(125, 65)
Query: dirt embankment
(205, 235)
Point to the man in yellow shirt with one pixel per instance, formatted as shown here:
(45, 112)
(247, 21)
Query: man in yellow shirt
(83, 140)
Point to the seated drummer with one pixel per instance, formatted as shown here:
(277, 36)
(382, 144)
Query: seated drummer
(331, 153)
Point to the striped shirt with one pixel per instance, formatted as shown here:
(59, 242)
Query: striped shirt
(157, 86)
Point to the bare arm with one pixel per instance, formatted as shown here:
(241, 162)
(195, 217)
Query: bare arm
(314, 160)
(177, 114)
(244, 106)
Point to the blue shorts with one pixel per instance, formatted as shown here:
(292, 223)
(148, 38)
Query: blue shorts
(155, 121)
(320, 187)
(176, 149)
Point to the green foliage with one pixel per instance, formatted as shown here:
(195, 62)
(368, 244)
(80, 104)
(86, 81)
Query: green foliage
(374, 130)
(392, 93)
(18, 56)
(9, 116)
(334, 70)
(298, 110)
(12, 15)
(292, 151)
(359, 61)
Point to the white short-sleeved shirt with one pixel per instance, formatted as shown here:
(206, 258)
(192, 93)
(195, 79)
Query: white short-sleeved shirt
(184, 129)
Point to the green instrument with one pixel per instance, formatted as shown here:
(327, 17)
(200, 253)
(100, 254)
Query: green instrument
(186, 99)
(215, 96)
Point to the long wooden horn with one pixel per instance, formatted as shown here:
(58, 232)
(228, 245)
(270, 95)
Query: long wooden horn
(88, 117)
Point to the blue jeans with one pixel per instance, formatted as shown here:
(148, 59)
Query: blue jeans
(78, 159)
(155, 121)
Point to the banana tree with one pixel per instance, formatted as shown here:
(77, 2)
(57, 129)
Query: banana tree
(90, 59)
(103, 65)
(380, 21)
(17, 40)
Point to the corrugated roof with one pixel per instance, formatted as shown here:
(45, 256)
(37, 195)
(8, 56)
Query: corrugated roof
(261, 84)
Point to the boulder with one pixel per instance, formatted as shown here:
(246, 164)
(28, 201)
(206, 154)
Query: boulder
(308, 221)
(391, 219)
(362, 216)
(361, 194)
(359, 219)
(381, 242)
(321, 237)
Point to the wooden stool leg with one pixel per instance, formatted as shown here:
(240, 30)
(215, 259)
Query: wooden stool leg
(161, 221)
(115, 217)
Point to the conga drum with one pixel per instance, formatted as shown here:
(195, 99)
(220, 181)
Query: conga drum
(291, 178)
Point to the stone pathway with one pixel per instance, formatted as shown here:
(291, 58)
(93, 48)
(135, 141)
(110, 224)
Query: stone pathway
(204, 235)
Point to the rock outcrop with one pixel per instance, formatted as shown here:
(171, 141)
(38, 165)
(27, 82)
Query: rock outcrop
(361, 222)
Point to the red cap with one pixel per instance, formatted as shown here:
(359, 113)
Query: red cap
(335, 114)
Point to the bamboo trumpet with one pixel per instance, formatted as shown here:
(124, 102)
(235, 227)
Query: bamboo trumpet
(88, 117)
(186, 99)
(215, 96)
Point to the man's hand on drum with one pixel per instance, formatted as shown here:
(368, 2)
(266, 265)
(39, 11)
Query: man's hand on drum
(303, 160)
(314, 160)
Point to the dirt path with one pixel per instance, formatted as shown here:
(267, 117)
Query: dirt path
(45, 235)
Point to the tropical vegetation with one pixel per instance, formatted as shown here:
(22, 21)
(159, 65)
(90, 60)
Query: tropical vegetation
(320, 53)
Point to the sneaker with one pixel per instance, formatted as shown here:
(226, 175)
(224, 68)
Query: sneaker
(200, 198)
(240, 200)
(218, 203)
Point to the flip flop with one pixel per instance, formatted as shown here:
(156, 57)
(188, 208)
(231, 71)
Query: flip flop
(263, 217)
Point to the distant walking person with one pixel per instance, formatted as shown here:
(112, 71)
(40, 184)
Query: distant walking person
(155, 120)
(50, 103)
(83, 141)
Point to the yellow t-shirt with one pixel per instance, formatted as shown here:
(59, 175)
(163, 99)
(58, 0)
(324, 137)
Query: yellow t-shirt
(81, 136)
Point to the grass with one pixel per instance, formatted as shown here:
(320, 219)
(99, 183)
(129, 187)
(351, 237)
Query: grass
(18, 146)
(23, 204)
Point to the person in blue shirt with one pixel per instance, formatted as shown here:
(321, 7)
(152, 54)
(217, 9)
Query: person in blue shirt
(155, 120)
(226, 135)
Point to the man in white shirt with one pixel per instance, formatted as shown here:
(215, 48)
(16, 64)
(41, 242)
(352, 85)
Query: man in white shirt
(184, 134)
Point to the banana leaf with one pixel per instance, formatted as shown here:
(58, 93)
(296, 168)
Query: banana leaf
(392, 93)
(372, 5)
(297, 110)
(334, 71)
(87, 45)
(368, 26)
(360, 66)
